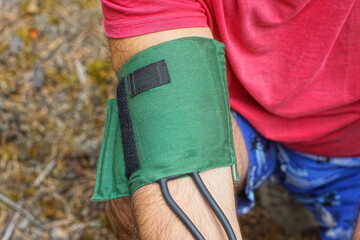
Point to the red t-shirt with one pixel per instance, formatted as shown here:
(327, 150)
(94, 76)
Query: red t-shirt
(293, 65)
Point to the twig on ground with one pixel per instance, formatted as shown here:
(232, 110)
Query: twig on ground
(10, 228)
(80, 226)
(40, 178)
(80, 71)
(19, 209)
(58, 223)
(23, 224)
(50, 166)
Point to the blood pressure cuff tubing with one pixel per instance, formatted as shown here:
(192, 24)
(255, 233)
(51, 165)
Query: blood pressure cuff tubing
(171, 117)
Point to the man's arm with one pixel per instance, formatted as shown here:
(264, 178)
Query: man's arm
(357, 229)
(154, 219)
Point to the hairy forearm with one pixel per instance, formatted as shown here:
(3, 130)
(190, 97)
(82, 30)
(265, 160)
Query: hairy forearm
(122, 218)
(156, 220)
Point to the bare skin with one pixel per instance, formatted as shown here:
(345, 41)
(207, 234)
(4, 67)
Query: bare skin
(146, 215)
(357, 229)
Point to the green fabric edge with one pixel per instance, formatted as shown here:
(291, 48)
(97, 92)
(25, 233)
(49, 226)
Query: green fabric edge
(112, 186)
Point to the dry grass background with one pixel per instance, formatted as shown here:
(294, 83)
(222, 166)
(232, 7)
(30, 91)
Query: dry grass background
(54, 83)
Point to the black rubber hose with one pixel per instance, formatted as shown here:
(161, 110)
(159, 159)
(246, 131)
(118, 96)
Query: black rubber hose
(177, 210)
(214, 206)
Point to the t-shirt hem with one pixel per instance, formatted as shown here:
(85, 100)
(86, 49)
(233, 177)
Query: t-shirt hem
(129, 29)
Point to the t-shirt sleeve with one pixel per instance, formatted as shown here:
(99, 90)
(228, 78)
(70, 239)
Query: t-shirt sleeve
(127, 18)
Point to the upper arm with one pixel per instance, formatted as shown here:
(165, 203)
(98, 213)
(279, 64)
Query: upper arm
(133, 26)
(123, 49)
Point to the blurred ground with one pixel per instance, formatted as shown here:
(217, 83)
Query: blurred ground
(54, 83)
(53, 88)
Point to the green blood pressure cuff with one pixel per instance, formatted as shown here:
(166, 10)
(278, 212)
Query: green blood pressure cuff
(171, 117)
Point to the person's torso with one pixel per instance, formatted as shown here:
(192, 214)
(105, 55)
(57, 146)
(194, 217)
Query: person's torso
(294, 69)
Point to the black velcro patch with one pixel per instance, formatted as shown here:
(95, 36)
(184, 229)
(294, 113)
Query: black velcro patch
(150, 76)
(131, 157)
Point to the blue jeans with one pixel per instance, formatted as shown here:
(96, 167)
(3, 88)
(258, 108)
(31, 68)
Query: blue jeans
(327, 186)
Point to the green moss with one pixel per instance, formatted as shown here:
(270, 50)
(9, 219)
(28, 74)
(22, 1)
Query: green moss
(51, 208)
(23, 6)
(100, 71)
(59, 78)
(3, 48)
(23, 32)
(53, 19)
(14, 196)
(88, 3)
